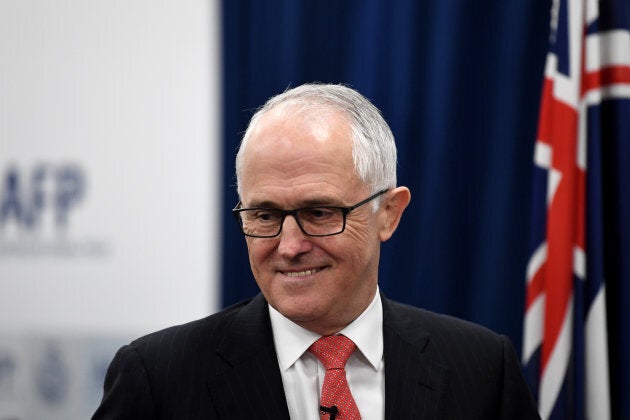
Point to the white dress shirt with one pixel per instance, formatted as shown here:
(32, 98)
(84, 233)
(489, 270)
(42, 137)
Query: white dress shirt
(303, 374)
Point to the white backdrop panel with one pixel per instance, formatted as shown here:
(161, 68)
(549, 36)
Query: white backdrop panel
(109, 148)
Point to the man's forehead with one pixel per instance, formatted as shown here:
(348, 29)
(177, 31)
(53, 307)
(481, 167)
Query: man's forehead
(290, 159)
(307, 199)
(280, 140)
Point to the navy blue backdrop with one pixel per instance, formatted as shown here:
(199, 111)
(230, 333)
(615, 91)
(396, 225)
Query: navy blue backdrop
(459, 82)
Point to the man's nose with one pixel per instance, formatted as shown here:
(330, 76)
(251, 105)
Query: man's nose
(293, 241)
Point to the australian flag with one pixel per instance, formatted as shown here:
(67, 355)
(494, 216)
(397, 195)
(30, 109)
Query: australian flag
(583, 138)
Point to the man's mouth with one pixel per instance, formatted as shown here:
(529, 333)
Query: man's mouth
(301, 273)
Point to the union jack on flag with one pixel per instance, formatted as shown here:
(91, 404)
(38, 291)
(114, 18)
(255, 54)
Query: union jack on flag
(587, 72)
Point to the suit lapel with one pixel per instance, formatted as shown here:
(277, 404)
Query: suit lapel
(247, 381)
(414, 383)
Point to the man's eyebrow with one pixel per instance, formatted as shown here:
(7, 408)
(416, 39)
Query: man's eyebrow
(262, 205)
(319, 201)
(310, 202)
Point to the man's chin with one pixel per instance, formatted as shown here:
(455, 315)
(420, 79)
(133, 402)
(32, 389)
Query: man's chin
(298, 314)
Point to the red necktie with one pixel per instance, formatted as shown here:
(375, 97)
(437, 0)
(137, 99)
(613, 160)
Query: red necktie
(336, 401)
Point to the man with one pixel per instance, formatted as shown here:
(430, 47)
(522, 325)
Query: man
(316, 175)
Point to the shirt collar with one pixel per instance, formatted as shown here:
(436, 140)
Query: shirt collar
(292, 341)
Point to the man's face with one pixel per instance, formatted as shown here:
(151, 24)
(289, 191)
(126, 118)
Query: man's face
(296, 160)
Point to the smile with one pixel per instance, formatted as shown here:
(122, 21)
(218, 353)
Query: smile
(301, 273)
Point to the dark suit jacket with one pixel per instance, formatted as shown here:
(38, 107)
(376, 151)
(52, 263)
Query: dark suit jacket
(225, 367)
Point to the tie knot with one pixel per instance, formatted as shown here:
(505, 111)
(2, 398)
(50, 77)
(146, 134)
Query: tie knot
(333, 350)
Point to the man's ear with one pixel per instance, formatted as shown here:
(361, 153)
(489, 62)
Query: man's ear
(395, 202)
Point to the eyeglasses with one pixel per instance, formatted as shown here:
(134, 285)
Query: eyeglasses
(313, 221)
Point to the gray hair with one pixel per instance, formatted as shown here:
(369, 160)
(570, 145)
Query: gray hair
(373, 145)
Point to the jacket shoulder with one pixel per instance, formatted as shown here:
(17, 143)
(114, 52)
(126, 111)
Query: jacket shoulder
(166, 371)
(443, 335)
(208, 329)
(433, 320)
(475, 371)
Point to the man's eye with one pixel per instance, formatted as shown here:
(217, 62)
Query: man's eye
(319, 213)
(265, 216)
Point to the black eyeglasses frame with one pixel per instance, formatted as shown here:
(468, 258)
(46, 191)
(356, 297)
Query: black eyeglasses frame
(236, 211)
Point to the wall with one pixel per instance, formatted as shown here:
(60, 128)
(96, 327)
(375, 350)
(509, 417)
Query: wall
(109, 145)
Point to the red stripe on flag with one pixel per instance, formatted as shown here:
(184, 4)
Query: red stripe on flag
(561, 224)
(545, 121)
(606, 76)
